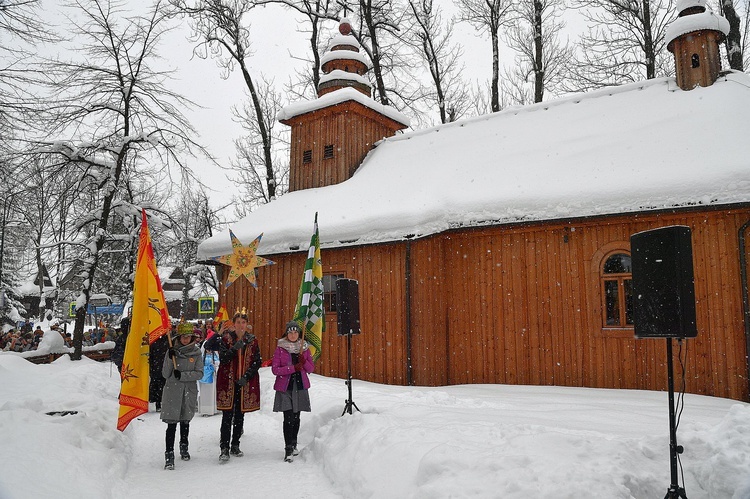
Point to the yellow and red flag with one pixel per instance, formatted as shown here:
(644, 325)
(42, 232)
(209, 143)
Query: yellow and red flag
(149, 321)
(223, 315)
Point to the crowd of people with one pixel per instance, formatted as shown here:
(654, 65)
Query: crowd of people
(27, 337)
(187, 358)
(184, 364)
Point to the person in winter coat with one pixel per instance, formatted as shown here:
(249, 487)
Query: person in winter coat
(156, 381)
(118, 352)
(182, 368)
(237, 381)
(291, 363)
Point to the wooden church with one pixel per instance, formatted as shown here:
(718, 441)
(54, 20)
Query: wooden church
(496, 249)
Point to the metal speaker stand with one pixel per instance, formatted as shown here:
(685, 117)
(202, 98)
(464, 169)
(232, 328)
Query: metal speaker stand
(349, 402)
(674, 491)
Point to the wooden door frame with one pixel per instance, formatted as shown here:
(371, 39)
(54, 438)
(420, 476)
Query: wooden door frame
(743, 232)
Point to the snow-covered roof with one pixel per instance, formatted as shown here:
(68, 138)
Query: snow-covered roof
(30, 288)
(696, 22)
(638, 147)
(338, 74)
(344, 54)
(338, 97)
(339, 39)
(686, 4)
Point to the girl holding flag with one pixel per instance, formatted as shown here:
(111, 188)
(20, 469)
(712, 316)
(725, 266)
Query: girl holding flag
(182, 368)
(291, 363)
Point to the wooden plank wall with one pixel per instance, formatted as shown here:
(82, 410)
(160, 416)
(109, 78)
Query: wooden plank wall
(379, 353)
(523, 308)
(517, 305)
(349, 127)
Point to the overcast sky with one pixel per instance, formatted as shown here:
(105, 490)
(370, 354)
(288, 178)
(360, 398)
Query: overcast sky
(278, 46)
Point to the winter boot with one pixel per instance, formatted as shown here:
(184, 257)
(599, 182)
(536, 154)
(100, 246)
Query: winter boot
(184, 454)
(224, 456)
(235, 451)
(184, 434)
(295, 452)
(169, 460)
(288, 454)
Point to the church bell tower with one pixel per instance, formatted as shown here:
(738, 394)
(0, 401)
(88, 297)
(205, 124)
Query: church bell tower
(694, 39)
(332, 134)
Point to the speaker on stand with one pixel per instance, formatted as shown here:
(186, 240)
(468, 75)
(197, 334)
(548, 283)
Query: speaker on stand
(347, 319)
(664, 307)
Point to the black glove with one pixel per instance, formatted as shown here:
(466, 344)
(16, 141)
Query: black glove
(177, 373)
(171, 352)
(242, 381)
(238, 345)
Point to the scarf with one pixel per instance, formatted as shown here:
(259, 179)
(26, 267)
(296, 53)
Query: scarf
(292, 347)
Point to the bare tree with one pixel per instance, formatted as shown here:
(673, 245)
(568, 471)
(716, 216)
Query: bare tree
(624, 42)
(20, 29)
(191, 220)
(377, 32)
(316, 12)
(488, 16)
(221, 30)
(10, 227)
(249, 165)
(110, 117)
(433, 41)
(542, 57)
(37, 212)
(733, 43)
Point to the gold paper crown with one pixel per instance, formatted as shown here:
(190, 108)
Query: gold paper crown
(242, 312)
(184, 328)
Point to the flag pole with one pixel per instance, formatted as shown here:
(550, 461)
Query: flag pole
(171, 345)
(302, 345)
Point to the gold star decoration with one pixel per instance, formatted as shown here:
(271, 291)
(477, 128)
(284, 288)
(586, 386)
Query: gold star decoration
(243, 260)
(127, 373)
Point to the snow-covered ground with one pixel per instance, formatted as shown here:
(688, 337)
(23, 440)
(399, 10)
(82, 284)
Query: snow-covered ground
(486, 441)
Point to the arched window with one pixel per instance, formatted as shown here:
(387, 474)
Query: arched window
(617, 291)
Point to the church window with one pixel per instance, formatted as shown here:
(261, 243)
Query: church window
(328, 151)
(307, 156)
(329, 292)
(617, 290)
(695, 61)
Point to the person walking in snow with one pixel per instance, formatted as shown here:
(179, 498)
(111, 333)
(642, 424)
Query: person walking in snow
(182, 368)
(237, 381)
(291, 363)
(156, 381)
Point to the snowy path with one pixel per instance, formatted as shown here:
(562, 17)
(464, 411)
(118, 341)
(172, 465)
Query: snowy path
(472, 441)
(261, 472)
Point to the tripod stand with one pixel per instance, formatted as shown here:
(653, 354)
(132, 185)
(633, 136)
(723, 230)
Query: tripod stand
(350, 403)
(674, 491)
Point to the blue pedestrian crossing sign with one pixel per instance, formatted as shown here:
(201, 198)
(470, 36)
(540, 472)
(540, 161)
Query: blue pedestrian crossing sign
(206, 305)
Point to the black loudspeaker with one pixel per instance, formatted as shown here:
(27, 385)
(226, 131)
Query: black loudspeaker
(663, 287)
(347, 306)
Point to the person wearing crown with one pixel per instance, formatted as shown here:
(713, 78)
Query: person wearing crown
(237, 380)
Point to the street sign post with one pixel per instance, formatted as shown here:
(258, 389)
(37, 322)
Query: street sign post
(206, 305)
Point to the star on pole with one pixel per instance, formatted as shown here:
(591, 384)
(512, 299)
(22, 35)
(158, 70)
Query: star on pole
(243, 260)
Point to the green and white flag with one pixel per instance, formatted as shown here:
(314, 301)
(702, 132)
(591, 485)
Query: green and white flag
(309, 312)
